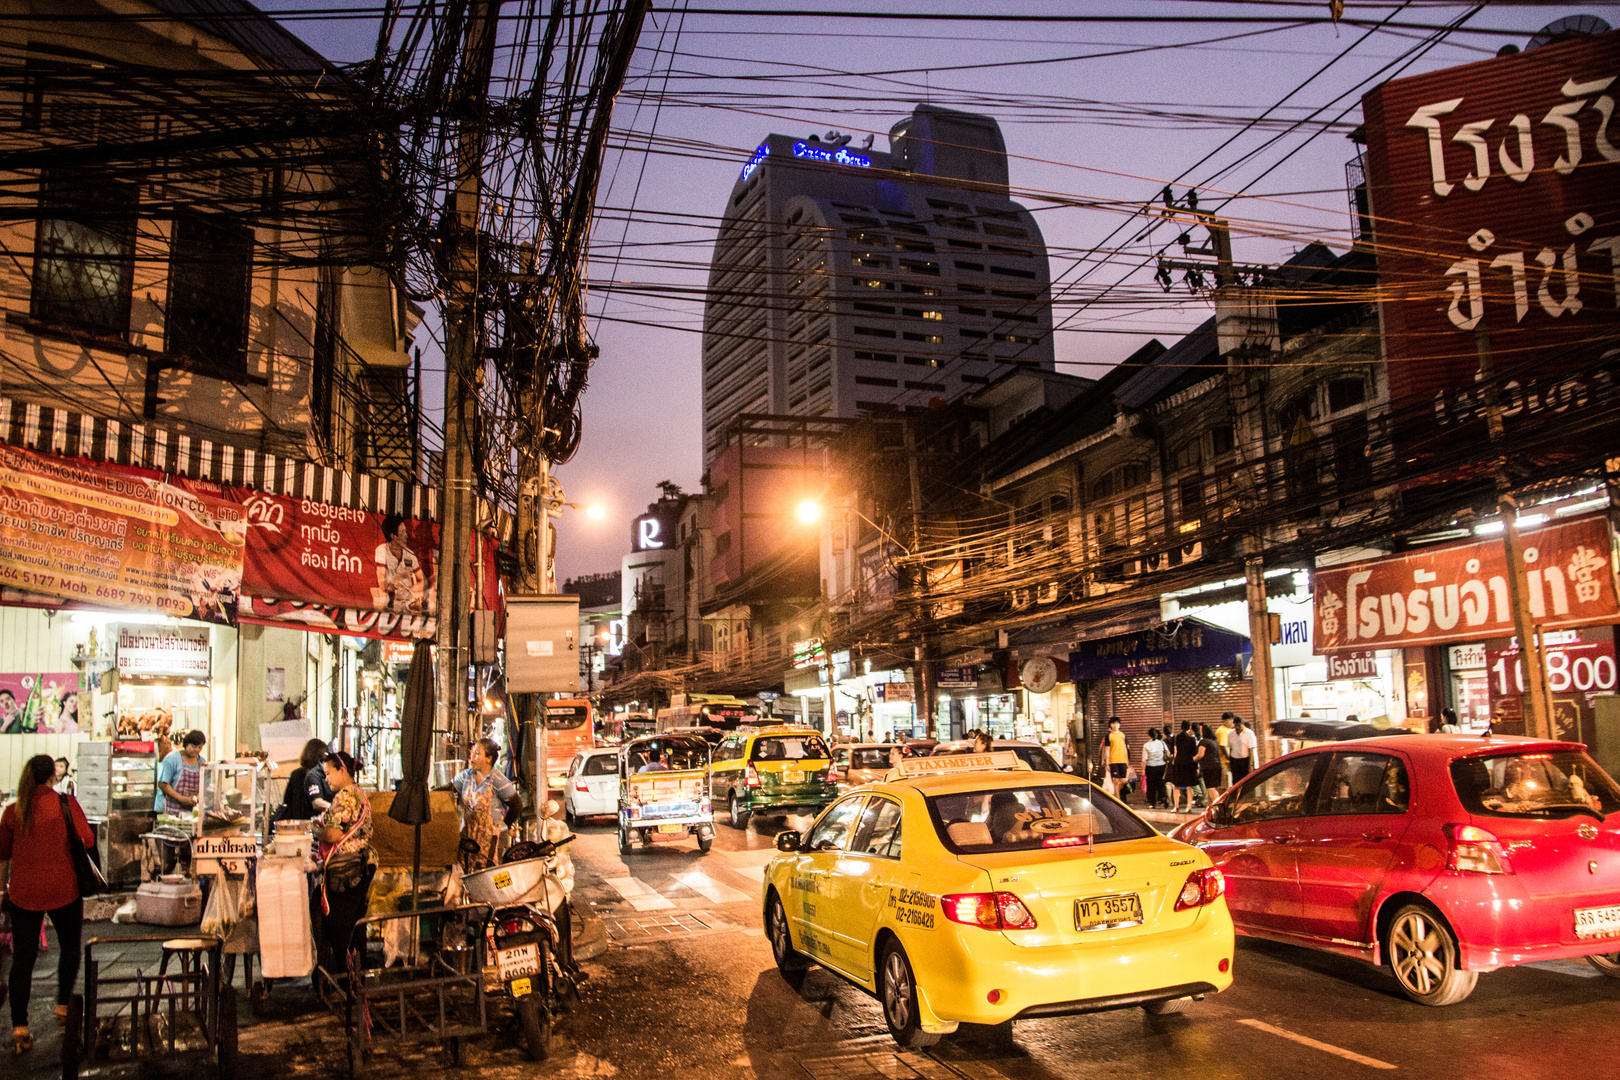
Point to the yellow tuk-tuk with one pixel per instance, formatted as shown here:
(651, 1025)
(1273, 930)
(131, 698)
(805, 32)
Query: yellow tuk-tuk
(664, 791)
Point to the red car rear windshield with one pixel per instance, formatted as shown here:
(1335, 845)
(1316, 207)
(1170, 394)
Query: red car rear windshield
(1557, 783)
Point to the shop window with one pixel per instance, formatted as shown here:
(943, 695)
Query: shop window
(84, 253)
(210, 275)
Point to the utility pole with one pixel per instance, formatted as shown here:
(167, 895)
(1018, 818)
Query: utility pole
(1537, 708)
(463, 370)
(927, 698)
(1260, 690)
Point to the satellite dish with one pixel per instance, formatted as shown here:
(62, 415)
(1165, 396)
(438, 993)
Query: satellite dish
(1568, 28)
(1039, 674)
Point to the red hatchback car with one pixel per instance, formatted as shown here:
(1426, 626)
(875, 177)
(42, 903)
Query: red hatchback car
(1440, 855)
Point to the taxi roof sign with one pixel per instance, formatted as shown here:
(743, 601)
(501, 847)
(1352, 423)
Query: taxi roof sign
(958, 763)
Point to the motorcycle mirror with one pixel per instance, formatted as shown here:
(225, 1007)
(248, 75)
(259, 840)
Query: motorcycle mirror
(787, 841)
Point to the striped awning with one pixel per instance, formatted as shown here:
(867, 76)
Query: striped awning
(152, 446)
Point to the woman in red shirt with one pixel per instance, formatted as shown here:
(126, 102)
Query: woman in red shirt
(36, 880)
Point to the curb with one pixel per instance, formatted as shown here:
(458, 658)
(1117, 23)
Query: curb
(590, 935)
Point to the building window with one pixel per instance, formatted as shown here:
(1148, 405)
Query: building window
(84, 254)
(210, 275)
(1346, 394)
(931, 339)
(1222, 439)
(868, 380)
(872, 283)
(938, 388)
(722, 543)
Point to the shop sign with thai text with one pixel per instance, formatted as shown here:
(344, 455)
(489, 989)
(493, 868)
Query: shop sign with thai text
(165, 651)
(1459, 592)
(1492, 193)
(1186, 645)
(1360, 664)
(1580, 665)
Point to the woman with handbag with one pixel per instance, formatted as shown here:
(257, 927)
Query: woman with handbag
(46, 870)
(347, 861)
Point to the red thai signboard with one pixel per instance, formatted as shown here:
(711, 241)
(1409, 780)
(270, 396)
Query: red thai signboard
(332, 555)
(1459, 592)
(1493, 189)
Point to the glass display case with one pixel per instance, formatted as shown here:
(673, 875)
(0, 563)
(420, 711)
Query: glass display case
(116, 784)
(230, 799)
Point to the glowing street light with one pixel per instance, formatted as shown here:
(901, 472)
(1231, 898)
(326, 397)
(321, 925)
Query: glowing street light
(809, 511)
(595, 512)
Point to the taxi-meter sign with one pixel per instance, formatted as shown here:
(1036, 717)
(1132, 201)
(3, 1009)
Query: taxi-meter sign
(958, 763)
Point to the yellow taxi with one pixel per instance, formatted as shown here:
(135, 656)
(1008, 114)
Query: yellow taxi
(971, 891)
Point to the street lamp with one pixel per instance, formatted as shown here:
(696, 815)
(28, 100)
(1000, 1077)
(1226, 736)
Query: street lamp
(809, 511)
(595, 512)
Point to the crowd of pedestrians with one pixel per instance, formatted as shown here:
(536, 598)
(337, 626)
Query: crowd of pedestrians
(1182, 769)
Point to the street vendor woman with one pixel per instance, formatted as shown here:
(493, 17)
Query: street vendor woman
(179, 776)
(483, 795)
(347, 861)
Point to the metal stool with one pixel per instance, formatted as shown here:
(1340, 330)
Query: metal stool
(190, 953)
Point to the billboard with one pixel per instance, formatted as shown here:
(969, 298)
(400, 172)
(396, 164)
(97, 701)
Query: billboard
(116, 538)
(1459, 592)
(1493, 189)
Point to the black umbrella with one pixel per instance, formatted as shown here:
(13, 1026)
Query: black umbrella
(410, 805)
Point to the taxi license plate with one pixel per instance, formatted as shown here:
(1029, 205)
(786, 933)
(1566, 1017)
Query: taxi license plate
(1597, 922)
(1108, 912)
(792, 776)
(522, 987)
(671, 828)
(518, 961)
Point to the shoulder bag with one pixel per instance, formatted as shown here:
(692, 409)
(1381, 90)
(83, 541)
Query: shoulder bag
(91, 881)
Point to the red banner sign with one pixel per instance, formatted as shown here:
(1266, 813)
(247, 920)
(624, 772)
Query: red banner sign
(1580, 665)
(75, 531)
(1459, 592)
(1493, 192)
(338, 557)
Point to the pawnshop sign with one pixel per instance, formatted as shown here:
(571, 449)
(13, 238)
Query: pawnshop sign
(1493, 189)
(1459, 592)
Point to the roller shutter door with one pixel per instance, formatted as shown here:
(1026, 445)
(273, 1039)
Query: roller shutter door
(1201, 696)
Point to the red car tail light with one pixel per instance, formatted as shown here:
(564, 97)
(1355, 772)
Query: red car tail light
(1475, 851)
(1202, 887)
(832, 775)
(579, 785)
(989, 911)
(751, 778)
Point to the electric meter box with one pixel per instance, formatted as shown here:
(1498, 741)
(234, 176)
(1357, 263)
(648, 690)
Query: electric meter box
(542, 644)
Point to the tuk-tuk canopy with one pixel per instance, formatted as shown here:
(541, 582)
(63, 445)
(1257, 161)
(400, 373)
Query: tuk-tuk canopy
(674, 752)
(1309, 729)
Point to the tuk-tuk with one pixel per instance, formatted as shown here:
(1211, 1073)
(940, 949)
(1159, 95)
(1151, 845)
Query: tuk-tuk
(664, 791)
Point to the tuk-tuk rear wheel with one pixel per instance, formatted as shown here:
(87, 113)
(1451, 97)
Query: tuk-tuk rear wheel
(705, 843)
(624, 840)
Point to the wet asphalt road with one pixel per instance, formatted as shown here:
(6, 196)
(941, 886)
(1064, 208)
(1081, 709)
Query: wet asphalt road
(688, 989)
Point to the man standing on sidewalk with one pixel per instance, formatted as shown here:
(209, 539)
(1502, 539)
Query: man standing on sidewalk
(1240, 749)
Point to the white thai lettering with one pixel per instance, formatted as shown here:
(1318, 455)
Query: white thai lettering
(1521, 169)
(1425, 118)
(1572, 282)
(1514, 264)
(1474, 135)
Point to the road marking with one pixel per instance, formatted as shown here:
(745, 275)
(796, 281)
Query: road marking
(748, 871)
(638, 895)
(1304, 1040)
(703, 884)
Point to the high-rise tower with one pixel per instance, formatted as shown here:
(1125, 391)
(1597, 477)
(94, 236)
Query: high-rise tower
(848, 282)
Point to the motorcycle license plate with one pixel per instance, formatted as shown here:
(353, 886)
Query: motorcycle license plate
(1107, 912)
(671, 828)
(520, 987)
(792, 776)
(518, 961)
(1597, 922)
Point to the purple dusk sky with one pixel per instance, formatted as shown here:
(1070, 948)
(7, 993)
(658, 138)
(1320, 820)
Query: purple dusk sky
(1121, 109)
